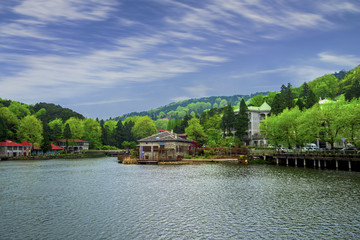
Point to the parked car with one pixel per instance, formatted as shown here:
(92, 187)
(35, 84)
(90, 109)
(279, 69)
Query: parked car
(282, 149)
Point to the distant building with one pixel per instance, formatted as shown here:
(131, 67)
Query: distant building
(75, 145)
(10, 149)
(54, 150)
(164, 146)
(256, 115)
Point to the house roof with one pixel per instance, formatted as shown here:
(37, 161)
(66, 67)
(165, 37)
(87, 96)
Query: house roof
(53, 147)
(11, 143)
(71, 140)
(165, 137)
(263, 107)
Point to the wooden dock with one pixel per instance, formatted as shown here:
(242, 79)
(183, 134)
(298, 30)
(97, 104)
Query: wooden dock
(320, 160)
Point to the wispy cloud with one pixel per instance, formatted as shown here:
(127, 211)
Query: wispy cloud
(59, 10)
(340, 60)
(197, 90)
(107, 102)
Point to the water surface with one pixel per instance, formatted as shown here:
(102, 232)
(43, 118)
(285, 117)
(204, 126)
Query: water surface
(101, 199)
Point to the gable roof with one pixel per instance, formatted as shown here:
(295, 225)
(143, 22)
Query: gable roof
(11, 143)
(263, 107)
(53, 147)
(165, 136)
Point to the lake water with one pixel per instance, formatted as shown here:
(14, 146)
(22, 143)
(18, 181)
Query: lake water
(101, 199)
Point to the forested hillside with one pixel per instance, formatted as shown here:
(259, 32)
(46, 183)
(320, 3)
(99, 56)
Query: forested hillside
(191, 106)
(208, 120)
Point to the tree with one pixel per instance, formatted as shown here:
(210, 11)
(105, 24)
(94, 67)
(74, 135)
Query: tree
(278, 105)
(30, 129)
(67, 134)
(351, 122)
(228, 120)
(46, 144)
(354, 91)
(92, 133)
(307, 96)
(161, 123)
(195, 131)
(20, 110)
(287, 96)
(144, 127)
(56, 129)
(300, 104)
(326, 86)
(76, 127)
(128, 126)
(242, 120)
(3, 130)
(257, 100)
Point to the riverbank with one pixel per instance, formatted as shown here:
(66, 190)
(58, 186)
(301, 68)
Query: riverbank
(57, 156)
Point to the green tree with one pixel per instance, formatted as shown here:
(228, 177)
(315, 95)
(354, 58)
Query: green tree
(228, 120)
(326, 86)
(223, 103)
(20, 110)
(242, 120)
(354, 91)
(45, 143)
(56, 129)
(161, 123)
(76, 127)
(257, 100)
(67, 135)
(144, 127)
(30, 129)
(195, 131)
(351, 122)
(92, 133)
(307, 96)
(278, 105)
(287, 96)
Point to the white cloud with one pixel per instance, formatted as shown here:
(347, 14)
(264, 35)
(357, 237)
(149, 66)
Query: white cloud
(340, 60)
(178, 99)
(19, 30)
(56, 10)
(197, 91)
(105, 102)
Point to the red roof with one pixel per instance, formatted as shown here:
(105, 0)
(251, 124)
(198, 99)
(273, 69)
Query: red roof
(53, 147)
(11, 143)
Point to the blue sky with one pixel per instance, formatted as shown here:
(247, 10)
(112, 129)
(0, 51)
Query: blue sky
(104, 58)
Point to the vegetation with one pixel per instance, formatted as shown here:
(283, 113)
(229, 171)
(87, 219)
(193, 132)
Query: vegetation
(328, 122)
(296, 118)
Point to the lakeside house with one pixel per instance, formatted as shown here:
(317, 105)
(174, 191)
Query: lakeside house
(256, 115)
(54, 150)
(74, 145)
(11, 149)
(165, 146)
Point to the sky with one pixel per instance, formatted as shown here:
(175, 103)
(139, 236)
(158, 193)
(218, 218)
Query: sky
(105, 58)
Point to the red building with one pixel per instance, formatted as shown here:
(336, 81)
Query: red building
(11, 149)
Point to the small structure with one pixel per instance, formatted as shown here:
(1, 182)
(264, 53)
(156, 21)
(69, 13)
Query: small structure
(74, 145)
(54, 150)
(164, 146)
(10, 149)
(256, 115)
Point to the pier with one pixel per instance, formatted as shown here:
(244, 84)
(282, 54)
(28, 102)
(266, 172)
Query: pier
(319, 160)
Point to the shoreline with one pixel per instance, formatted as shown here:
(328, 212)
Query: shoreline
(57, 156)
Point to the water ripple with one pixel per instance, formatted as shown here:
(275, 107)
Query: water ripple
(100, 199)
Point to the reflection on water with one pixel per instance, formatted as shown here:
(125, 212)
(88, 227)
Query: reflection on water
(100, 199)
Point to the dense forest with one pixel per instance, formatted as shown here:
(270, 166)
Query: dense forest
(191, 106)
(211, 121)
